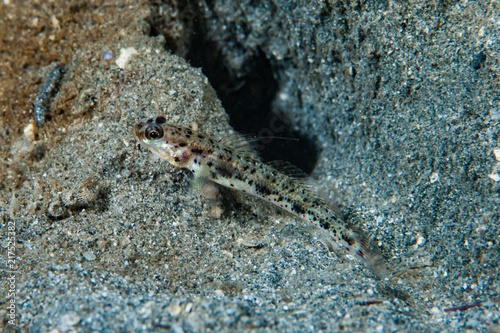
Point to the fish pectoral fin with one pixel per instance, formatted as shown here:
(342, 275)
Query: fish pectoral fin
(202, 185)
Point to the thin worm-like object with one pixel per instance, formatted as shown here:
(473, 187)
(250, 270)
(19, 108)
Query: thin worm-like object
(47, 91)
(463, 307)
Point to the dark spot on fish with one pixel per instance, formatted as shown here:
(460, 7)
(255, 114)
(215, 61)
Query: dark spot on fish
(197, 151)
(246, 167)
(280, 198)
(195, 161)
(224, 171)
(150, 120)
(250, 182)
(324, 224)
(304, 200)
(349, 241)
(262, 189)
(182, 144)
(210, 163)
(176, 159)
(213, 175)
(161, 120)
(298, 208)
(253, 171)
(360, 253)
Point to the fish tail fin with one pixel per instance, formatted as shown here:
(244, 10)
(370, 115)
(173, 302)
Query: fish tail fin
(363, 247)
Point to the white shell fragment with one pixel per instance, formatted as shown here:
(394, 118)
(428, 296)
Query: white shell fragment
(29, 132)
(125, 56)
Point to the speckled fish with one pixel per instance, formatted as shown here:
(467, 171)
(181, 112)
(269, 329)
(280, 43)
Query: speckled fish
(235, 168)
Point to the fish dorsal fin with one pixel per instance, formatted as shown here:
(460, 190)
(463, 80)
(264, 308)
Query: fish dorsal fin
(243, 144)
(289, 170)
(297, 175)
(302, 178)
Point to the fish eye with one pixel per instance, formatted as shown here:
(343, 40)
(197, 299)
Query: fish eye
(153, 132)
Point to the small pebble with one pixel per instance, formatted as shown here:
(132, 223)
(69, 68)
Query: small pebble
(495, 114)
(89, 256)
(174, 310)
(125, 56)
(70, 319)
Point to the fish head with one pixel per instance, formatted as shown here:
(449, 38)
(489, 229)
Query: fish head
(167, 141)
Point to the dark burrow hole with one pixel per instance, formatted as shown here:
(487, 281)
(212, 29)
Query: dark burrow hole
(246, 98)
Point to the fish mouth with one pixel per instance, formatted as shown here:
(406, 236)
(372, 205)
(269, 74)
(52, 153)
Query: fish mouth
(138, 131)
